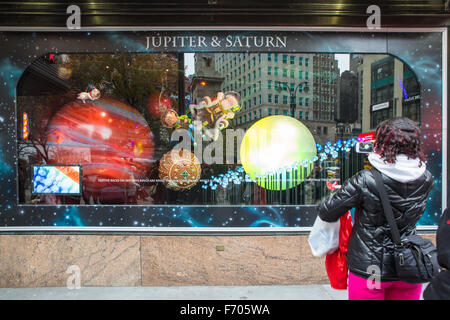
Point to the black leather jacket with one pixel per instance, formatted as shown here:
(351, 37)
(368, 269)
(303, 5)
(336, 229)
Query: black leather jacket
(370, 241)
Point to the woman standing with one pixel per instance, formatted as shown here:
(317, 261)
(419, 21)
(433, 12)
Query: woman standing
(400, 159)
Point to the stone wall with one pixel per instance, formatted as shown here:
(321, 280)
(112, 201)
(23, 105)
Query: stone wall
(154, 260)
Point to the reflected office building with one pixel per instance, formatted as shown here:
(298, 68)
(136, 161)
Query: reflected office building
(348, 115)
(387, 88)
(206, 81)
(300, 85)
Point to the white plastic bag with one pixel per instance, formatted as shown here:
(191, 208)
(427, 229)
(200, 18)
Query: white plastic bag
(324, 237)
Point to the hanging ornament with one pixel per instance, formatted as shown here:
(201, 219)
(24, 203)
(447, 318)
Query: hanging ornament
(179, 169)
(158, 103)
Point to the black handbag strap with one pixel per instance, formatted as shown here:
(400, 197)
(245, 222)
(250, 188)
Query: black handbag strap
(387, 207)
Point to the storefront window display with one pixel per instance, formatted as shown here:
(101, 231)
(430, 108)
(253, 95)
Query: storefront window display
(179, 130)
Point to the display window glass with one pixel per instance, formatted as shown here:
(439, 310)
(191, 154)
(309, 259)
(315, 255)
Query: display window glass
(206, 129)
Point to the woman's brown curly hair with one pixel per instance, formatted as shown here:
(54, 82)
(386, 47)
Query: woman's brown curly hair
(398, 136)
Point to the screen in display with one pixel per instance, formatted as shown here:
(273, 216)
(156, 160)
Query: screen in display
(56, 179)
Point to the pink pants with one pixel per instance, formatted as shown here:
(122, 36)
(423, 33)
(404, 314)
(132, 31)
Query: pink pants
(360, 289)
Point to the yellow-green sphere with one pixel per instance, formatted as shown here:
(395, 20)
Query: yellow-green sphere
(276, 151)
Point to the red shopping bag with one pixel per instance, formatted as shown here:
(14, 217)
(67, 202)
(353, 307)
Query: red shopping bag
(336, 262)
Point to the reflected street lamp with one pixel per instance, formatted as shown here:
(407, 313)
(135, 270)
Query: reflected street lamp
(292, 94)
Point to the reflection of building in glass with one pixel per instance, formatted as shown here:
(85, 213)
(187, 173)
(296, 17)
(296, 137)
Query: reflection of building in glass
(347, 111)
(347, 108)
(388, 88)
(325, 95)
(268, 84)
(411, 95)
(355, 62)
(277, 84)
(326, 74)
(206, 81)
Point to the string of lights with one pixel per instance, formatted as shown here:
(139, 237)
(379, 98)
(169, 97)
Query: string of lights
(238, 176)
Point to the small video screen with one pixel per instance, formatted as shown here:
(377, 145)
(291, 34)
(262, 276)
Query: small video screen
(364, 147)
(57, 180)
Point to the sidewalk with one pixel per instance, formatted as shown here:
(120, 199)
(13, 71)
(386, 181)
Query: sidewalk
(285, 292)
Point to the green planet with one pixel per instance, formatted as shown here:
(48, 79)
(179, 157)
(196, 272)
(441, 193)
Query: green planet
(276, 152)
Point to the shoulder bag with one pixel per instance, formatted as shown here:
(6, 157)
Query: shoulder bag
(415, 257)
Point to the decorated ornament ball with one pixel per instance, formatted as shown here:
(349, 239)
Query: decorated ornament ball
(64, 72)
(276, 152)
(158, 103)
(179, 169)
